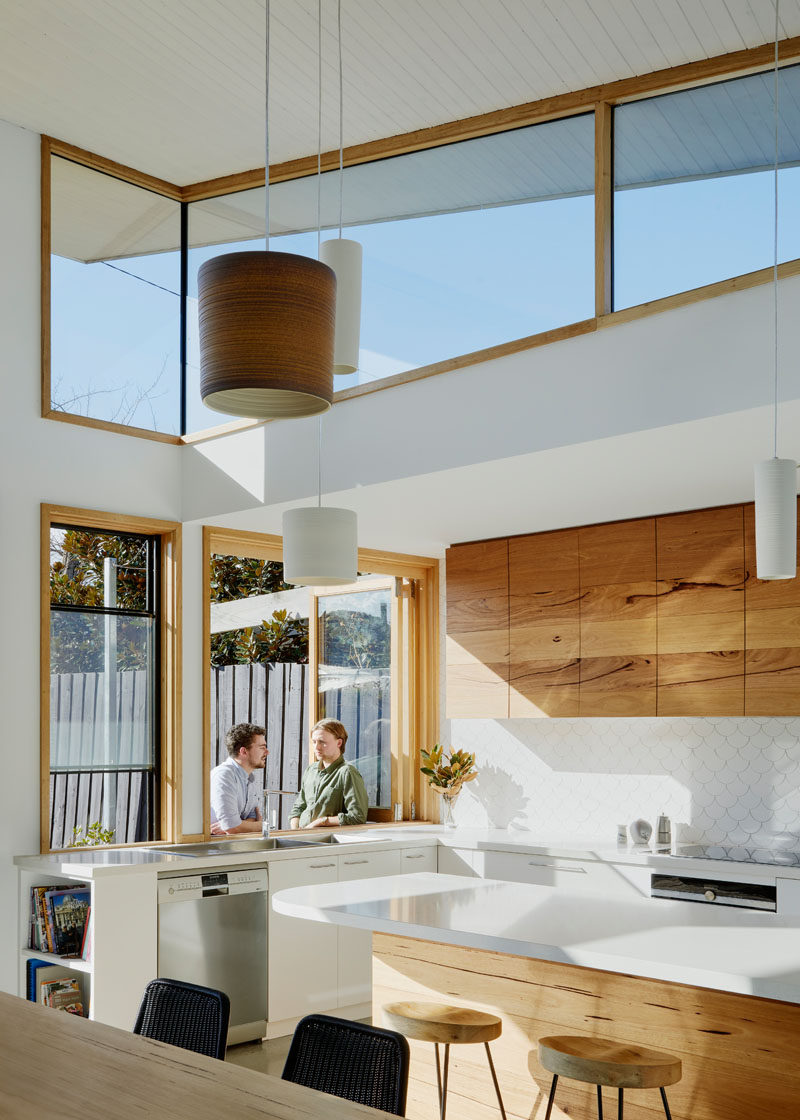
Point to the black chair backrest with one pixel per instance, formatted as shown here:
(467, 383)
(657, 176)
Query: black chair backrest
(185, 1015)
(351, 1060)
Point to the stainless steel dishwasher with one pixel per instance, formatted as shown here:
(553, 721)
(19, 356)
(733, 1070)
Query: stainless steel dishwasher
(212, 930)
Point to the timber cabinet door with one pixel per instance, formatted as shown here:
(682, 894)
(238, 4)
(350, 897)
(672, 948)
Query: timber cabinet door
(701, 640)
(477, 630)
(618, 618)
(544, 624)
(772, 636)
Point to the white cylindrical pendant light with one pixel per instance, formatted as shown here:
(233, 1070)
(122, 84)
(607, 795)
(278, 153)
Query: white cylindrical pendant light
(776, 518)
(320, 545)
(344, 257)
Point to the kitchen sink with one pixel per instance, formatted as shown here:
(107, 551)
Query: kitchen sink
(235, 846)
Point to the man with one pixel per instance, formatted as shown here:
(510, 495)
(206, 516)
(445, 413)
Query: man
(235, 793)
(332, 791)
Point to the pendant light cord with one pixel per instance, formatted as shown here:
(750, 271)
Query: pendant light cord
(341, 117)
(319, 125)
(319, 463)
(775, 244)
(266, 130)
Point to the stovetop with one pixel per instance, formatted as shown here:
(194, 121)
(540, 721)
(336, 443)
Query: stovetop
(736, 853)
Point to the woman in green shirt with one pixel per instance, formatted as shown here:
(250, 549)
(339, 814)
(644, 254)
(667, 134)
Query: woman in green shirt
(332, 791)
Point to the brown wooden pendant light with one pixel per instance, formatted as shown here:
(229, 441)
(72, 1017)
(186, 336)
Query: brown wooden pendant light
(267, 325)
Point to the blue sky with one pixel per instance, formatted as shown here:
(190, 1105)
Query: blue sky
(433, 287)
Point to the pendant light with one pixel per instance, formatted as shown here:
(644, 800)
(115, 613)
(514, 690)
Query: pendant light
(776, 479)
(320, 543)
(344, 256)
(266, 326)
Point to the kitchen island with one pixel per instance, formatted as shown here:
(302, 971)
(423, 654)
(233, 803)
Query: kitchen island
(719, 987)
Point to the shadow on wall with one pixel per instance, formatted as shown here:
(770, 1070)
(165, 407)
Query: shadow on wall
(503, 798)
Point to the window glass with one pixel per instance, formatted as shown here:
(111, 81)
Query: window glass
(694, 185)
(466, 246)
(115, 302)
(104, 676)
(355, 681)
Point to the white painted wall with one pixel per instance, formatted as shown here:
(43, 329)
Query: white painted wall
(42, 461)
(659, 415)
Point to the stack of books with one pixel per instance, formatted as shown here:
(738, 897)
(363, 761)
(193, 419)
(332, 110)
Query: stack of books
(61, 919)
(55, 986)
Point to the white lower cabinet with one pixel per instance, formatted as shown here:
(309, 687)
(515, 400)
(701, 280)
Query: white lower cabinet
(302, 973)
(417, 859)
(557, 871)
(355, 945)
(457, 861)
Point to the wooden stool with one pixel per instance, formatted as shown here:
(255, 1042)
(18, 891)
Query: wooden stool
(598, 1061)
(439, 1022)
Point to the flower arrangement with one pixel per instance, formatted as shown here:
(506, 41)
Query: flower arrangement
(446, 775)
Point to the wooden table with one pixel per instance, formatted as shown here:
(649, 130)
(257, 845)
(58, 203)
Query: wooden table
(64, 1067)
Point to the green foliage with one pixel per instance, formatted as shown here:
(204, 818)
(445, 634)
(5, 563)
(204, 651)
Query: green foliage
(283, 638)
(353, 638)
(447, 773)
(239, 577)
(95, 834)
(76, 568)
(77, 639)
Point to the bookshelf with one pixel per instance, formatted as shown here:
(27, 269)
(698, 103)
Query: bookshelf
(124, 943)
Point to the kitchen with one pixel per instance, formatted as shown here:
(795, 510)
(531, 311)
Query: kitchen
(503, 447)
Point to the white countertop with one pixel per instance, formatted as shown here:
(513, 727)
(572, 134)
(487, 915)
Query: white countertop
(93, 862)
(752, 953)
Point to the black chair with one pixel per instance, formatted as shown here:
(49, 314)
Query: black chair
(185, 1015)
(365, 1064)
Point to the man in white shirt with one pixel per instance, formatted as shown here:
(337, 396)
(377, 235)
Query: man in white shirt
(235, 793)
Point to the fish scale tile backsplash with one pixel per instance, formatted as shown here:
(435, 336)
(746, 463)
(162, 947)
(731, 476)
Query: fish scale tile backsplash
(727, 778)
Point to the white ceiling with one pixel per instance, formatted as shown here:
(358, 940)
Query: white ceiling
(176, 89)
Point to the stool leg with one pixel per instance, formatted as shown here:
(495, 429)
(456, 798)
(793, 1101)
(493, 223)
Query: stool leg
(444, 1078)
(599, 1103)
(552, 1097)
(667, 1112)
(619, 1111)
(438, 1077)
(494, 1079)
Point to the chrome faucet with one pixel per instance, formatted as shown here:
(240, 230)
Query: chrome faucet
(265, 823)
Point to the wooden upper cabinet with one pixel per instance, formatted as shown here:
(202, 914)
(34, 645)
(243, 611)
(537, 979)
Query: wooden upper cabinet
(772, 636)
(544, 624)
(477, 630)
(618, 594)
(659, 616)
(701, 637)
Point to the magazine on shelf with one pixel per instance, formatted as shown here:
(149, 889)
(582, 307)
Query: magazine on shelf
(63, 995)
(42, 931)
(39, 973)
(66, 910)
(86, 942)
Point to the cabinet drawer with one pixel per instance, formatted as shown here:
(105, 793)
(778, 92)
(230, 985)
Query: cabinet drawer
(417, 859)
(366, 865)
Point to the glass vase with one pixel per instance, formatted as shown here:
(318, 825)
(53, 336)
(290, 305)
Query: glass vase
(448, 804)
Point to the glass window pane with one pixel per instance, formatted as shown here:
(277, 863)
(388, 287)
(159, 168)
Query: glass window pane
(101, 691)
(355, 681)
(115, 303)
(465, 246)
(694, 186)
(91, 569)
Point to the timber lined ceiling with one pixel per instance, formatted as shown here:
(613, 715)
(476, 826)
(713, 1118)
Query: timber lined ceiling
(177, 89)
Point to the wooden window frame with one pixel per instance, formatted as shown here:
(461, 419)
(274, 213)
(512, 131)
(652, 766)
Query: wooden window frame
(169, 533)
(415, 683)
(600, 100)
